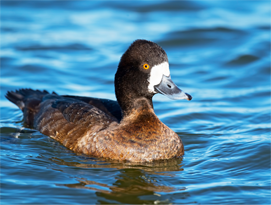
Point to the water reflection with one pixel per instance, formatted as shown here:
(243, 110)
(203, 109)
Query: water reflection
(131, 184)
(160, 166)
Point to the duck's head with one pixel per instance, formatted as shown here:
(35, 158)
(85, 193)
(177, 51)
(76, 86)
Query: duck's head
(143, 71)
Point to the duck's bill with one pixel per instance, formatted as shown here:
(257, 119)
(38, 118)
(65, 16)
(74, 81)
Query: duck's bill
(169, 89)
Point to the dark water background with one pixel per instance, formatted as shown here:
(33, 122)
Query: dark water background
(219, 52)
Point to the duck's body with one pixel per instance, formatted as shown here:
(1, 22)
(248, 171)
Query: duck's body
(124, 130)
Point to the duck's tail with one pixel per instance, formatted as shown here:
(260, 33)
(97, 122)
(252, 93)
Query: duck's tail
(22, 97)
(27, 100)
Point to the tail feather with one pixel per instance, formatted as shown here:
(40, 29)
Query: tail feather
(28, 101)
(20, 97)
(16, 98)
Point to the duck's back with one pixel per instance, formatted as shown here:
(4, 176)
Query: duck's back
(66, 119)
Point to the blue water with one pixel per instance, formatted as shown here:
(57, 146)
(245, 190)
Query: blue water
(219, 52)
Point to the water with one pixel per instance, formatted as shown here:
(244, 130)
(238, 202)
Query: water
(219, 52)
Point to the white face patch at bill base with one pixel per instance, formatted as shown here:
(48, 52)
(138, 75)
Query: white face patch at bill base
(156, 75)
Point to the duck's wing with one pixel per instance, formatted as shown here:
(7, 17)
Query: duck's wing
(110, 107)
(68, 120)
(39, 106)
(65, 119)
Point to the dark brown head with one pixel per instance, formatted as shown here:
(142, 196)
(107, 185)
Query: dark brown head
(143, 71)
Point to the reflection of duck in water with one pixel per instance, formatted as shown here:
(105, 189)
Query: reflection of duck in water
(124, 130)
(130, 183)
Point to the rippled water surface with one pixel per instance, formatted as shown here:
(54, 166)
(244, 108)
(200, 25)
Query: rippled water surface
(219, 52)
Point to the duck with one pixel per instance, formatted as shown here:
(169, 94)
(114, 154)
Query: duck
(126, 130)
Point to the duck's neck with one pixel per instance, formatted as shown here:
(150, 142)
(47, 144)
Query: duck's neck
(137, 106)
(130, 95)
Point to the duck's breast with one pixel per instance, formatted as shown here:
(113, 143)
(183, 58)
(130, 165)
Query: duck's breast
(138, 140)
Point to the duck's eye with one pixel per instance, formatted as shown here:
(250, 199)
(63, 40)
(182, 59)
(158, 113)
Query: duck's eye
(146, 66)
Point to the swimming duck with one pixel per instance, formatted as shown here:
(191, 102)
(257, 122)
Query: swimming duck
(123, 130)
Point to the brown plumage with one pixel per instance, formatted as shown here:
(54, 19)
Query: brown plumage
(127, 130)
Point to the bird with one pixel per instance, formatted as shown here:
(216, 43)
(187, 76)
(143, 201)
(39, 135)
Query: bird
(126, 130)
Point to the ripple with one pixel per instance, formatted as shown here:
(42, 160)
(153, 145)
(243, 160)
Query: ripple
(74, 47)
(244, 59)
